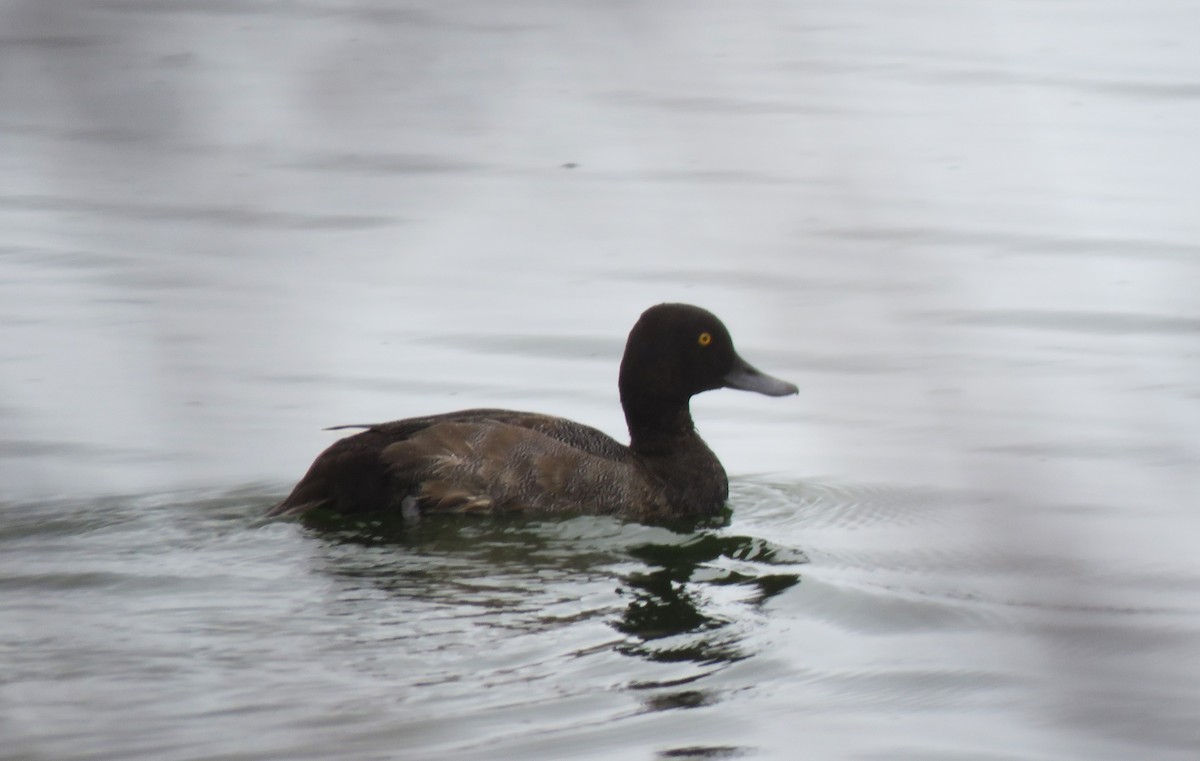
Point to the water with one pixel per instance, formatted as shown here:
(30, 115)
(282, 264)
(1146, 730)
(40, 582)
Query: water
(967, 232)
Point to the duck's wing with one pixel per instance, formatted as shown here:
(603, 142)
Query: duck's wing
(575, 435)
(354, 475)
(582, 437)
(456, 466)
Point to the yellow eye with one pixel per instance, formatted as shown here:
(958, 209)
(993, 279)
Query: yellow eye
(705, 339)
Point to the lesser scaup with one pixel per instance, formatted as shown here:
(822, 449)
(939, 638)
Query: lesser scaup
(501, 460)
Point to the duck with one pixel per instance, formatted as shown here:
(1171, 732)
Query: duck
(499, 461)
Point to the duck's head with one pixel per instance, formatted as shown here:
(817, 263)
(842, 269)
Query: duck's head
(676, 351)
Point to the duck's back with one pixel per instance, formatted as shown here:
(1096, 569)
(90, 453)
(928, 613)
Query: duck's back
(476, 460)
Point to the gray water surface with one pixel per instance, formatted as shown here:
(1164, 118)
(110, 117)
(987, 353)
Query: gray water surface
(967, 231)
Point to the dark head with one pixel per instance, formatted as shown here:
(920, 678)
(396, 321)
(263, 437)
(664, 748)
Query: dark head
(674, 352)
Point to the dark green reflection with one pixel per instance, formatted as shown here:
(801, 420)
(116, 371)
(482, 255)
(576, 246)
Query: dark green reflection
(670, 604)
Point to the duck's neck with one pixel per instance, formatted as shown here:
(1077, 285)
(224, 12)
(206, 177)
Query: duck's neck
(665, 439)
(656, 425)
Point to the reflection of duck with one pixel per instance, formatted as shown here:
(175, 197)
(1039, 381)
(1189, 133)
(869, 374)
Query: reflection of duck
(681, 595)
(671, 601)
(484, 460)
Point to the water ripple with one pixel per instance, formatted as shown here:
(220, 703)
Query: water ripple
(813, 504)
(1100, 323)
(232, 216)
